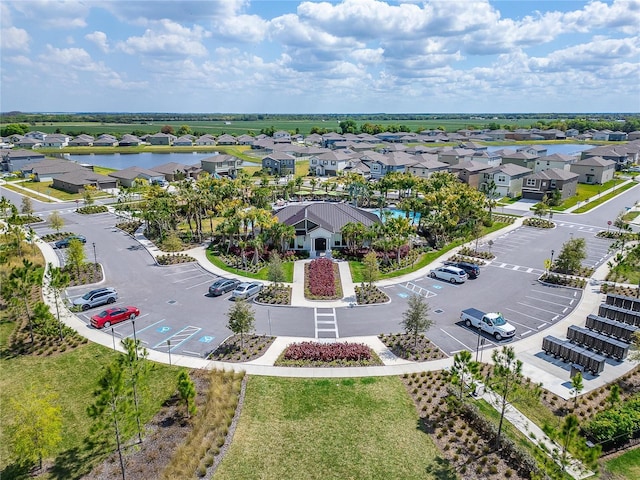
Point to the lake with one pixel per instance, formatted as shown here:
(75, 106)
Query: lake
(153, 159)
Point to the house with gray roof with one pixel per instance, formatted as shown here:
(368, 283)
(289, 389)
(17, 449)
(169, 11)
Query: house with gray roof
(82, 140)
(453, 156)
(226, 139)
(128, 176)
(55, 140)
(557, 160)
(161, 139)
(621, 154)
(279, 163)
(545, 182)
(26, 142)
(174, 171)
(77, 181)
(470, 172)
(183, 141)
(105, 140)
(329, 162)
(319, 225)
(521, 158)
(426, 164)
(221, 165)
(508, 179)
(594, 170)
(49, 168)
(18, 160)
(206, 140)
(128, 140)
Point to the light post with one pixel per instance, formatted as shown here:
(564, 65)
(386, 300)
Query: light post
(551, 266)
(135, 340)
(113, 336)
(169, 350)
(269, 316)
(95, 258)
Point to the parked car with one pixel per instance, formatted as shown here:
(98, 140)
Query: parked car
(472, 270)
(111, 316)
(95, 298)
(64, 243)
(246, 290)
(450, 274)
(223, 285)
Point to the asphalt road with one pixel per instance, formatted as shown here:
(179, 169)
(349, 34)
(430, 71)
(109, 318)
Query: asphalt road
(178, 315)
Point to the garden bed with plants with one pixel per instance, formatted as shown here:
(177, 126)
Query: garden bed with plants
(620, 290)
(54, 237)
(236, 349)
(470, 252)
(129, 227)
(538, 223)
(322, 280)
(174, 259)
(23, 219)
(85, 274)
(585, 272)
(408, 347)
(335, 354)
(563, 280)
(617, 235)
(502, 218)
(92, 209)
(275, 295)
(370, 295)
(464, 258)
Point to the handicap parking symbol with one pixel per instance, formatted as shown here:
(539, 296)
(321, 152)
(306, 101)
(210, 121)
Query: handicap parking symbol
(437, 287)
(403, 295)
(207, 339)
(164, 329)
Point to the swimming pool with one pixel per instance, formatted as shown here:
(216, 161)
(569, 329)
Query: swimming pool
(395, 212)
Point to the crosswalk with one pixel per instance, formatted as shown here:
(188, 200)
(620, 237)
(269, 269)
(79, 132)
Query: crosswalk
(326, 322)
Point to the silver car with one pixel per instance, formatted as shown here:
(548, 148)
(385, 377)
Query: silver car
(246, 290)
(95, 298)
(450, 274)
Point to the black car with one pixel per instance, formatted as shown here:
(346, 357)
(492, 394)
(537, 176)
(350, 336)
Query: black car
(473, 271)
(223, 285)
(64, 243)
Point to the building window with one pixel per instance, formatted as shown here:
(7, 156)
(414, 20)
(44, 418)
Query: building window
(333, 162)
(531, 182)
(502, 178)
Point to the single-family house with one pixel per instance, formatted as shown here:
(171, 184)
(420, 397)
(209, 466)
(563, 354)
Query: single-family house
(453, 156)
(329, 163)
(36, 135)
(328, 139)
(508, 179)
(245, 139)
(226, 139)
(518, 134)
(621, 154)
(55, 140)
(161, 139)
(183, 141)
(128, 176)
(572, 132)
(128, 140)
(319, 225)
(49, 168)
(499, 134)
(521, 158)
(281, 136)
(556, 160)
(222, 165)
(635, 135)
(18, 160)
(82, 140)
(105, 140)
(313, 139)
(78, 180)
(27, 142)
(536, 150)
(545, 182)
(470, 172)
(594, 170)
(488, 158)
(380, 164)
(279, 163)
(173, 171)
(206, 140)
(426, 164)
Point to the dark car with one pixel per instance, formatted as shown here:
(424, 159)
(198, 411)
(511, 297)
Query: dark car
(111, 316)
(473, 271)
(64, 243)
(223, 285)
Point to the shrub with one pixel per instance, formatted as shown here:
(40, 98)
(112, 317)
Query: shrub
(327, 352)
(91, 209)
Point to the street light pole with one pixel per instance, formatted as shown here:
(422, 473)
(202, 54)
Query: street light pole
(135, 340)
(552, 252)
(169, 350)
(113, 336)
(95, 258)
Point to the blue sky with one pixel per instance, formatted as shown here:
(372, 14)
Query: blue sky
(291, 56)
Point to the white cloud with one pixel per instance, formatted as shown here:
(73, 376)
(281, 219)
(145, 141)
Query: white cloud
(242, 28)
(13, 38)
(55, 13)
(100, 39)
(168, 38)
(20, 60)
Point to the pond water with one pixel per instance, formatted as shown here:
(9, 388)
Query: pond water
(563, 148)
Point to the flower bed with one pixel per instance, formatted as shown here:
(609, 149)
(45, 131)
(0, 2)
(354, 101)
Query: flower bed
(469, 252)
(275, 295)
(130, 227)
(563, 281)
(538, 223)
(615, 235)
(582, 272)
(497, 217)
(620, 290)
(91, 209)
(405, 346)
(463, 258)
(313, 354)
(233, 350)
(174, 259)
(53, 237)
(322, 280)
(369, 295)
(24, 219)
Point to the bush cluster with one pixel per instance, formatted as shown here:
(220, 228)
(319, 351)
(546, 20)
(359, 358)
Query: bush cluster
(563, 281)
(616, 425)
(275, 295)
(327, 352)
(90, 209)
(174, 258)
(538, 223)
(23, 219)
(130, 227)
(469, 252)
(370, 294)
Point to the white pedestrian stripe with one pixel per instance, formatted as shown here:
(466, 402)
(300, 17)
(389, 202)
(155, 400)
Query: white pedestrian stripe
(325, 322)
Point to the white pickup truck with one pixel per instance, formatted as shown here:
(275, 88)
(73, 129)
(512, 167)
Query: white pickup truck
(493, 323)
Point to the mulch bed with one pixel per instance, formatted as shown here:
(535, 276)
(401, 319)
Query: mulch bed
(232, 349)
(404, 346)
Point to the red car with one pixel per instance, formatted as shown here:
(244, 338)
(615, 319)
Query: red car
(110, 316)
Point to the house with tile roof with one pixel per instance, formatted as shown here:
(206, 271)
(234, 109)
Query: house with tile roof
(319, 225)
(206, 140)
(105, 140)
(161, 139)
(226, 139)
(128, 140)
(426, 164)
(594, 170)
(470, 172)
(82, 140)
(545, 182)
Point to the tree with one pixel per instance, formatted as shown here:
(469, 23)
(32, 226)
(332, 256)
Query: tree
(275, 272)
(26, 207)
(35, 430)
(184, 130)
(135, 365)
(75, 255)
(634, 355)
(540, 209)
(56, 221)
(241, 319)
(187, 391)
(5, 204)
(167, 129)
(415, 319)
(463, 371)
(569, 438)
(21, 282)
(507, 377)
(111, 411)
(89, 194)
(371, 271)
(58, 281)
(577, 385)
(573, 252)
(614, 395)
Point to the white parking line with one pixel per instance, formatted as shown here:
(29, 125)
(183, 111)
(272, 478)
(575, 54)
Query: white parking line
(189, 278)
(465, 346)
(549, 293)
(537, 308)
(523, 314)
(547, 301)
(198, 284)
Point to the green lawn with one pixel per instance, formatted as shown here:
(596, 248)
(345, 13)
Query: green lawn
(328, 429)
(586, 192)
(626, 466)
(261, 275)
(603, 198)
(73, 377)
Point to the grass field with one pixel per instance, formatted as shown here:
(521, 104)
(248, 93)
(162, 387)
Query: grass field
(328, 429)
(624, 467)
(73, 377)
(587, 192)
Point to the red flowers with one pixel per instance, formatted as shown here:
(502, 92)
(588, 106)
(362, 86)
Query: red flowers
(322, 278)
(327, 352)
